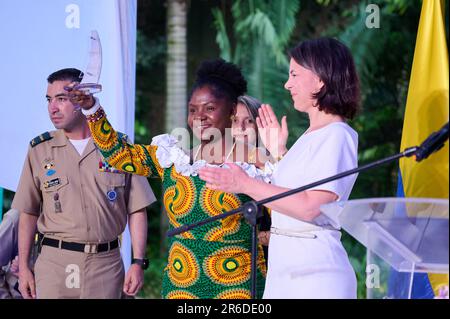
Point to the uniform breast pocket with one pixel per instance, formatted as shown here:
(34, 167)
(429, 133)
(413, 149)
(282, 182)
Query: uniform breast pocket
(54, 191)
(111, 184)
(54, 184)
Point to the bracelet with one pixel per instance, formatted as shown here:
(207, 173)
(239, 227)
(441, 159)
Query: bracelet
(97, 116)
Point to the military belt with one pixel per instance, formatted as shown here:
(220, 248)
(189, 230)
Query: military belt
(80, 247)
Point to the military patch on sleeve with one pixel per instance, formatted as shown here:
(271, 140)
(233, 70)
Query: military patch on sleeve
(41, 138)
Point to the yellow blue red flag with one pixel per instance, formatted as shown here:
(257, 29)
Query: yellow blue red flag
(427, 110)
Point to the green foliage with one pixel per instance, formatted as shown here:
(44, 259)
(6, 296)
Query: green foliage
(150, 59)
(326, 2)
(149, 115)
(221, 37)
(399, 6)
(149, 51)
(384, 84)
(153, 279)
(257, 41)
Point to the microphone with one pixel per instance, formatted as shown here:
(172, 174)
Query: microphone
(433, 143)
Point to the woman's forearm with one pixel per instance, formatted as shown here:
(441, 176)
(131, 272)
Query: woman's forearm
(304, 205)
(130, 158)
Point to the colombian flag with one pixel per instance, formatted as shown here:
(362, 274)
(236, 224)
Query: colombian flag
(427, 110)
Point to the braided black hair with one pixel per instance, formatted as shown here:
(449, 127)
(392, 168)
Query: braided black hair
(225, 79)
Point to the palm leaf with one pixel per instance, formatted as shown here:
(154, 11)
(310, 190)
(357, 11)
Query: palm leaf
(222, 37)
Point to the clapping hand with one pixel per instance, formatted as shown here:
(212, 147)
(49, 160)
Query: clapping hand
(273, 135)
(231, 179)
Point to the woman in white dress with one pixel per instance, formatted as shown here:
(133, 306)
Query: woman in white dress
(306, 257)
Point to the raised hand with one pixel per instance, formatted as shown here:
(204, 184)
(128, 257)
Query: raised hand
(273, 135)
(79, 98)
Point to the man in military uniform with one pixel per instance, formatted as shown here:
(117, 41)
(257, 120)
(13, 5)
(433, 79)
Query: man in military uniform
(81, 206)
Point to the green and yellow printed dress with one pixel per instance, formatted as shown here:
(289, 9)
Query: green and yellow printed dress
(210, 261)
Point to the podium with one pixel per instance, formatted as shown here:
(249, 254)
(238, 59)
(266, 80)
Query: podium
(403, 236)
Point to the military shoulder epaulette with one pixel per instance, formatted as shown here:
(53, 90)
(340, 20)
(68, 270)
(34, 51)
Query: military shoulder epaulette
(41, 138)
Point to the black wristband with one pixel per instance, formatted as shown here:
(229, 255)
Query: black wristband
(141, 262)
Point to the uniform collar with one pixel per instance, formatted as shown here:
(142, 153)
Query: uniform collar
(59, 139)
(90, 147)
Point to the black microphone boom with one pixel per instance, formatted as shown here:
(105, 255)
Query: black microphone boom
(433, 143)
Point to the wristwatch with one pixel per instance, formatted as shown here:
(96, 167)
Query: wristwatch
(141, 262)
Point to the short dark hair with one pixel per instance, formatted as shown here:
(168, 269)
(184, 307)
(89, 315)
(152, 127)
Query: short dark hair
(224, 78)
(69, 74)
(333, 63)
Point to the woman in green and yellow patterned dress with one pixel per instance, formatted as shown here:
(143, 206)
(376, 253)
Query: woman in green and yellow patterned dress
(213, 260)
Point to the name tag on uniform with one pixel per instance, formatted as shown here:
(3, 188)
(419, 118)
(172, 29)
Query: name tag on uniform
(105, 167)
(52, 183)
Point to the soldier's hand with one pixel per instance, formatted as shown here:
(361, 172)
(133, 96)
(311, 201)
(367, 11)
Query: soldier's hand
(134, 280)
(79, 98)
(27, 286)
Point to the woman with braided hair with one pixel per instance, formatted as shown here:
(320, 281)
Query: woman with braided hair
(213, 260)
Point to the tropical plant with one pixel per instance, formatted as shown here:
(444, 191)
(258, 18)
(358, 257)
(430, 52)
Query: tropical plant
(176, 65)
(257, 41)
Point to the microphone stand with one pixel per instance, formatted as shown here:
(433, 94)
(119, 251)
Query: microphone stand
(252, 209)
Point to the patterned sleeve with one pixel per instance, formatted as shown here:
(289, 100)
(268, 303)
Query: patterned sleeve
(132, 158)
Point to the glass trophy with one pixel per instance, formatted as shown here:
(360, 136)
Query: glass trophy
(89, 83)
